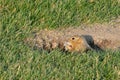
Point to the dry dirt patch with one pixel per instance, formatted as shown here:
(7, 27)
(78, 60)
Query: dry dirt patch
(106, 36)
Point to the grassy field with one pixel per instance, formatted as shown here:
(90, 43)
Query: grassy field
(18, 18)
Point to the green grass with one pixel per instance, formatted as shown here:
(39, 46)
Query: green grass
(56, 65)
(18, 18)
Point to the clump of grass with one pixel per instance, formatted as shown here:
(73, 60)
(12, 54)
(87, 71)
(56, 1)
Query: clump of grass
(18, 18)
(58, 65)
(57, 13)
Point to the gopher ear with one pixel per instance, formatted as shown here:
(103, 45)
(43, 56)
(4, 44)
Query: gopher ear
(80, 40)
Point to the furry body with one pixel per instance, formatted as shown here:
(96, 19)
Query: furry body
(79, 43)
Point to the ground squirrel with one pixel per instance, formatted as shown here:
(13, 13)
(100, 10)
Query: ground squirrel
(79, 43)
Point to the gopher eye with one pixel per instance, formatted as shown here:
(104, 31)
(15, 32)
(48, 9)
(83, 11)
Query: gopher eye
(73, 38)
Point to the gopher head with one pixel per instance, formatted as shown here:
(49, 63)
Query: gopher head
(73, 44)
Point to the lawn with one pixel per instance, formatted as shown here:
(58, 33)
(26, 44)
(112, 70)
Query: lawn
(19, 18)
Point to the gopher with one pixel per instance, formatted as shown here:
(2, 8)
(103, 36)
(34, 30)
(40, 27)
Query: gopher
(81, 43)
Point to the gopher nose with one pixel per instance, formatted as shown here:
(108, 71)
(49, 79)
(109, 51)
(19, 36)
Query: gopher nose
(66, 44)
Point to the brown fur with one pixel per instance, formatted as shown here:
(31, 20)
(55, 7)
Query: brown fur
(79, 43)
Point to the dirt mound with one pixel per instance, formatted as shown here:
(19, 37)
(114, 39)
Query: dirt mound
(106, 36)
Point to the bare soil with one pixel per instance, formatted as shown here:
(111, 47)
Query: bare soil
(106, 36)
